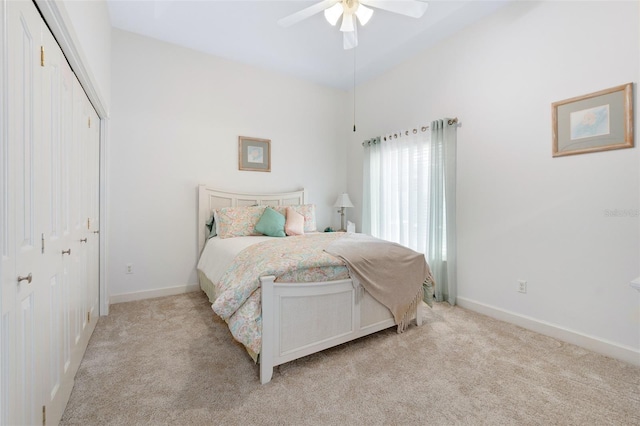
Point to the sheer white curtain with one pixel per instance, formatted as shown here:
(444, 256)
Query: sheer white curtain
(409, 196)
(396, 188)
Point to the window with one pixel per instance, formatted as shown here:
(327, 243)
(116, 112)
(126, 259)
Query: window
(397, 189)
(409, 196)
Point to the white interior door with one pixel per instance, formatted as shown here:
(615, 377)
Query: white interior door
(26, 155)
(76, 268)
(57, 98)
(62, 243)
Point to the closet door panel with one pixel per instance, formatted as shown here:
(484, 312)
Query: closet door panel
(93, 191)
(66, 142)
(75, 209)
(84, 124)
(22, 139)
(88, 248)
(7, 252)
(54, 99)
(26, 172)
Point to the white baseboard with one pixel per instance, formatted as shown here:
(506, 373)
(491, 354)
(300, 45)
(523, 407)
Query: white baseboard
(613, 350)
(150, 294)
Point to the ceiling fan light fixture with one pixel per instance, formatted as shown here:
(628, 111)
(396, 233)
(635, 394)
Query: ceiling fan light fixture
(364, 14)
(354, 12)
(333, 13)
(347, 23)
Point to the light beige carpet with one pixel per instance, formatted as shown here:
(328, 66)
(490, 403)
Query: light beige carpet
(170, 361)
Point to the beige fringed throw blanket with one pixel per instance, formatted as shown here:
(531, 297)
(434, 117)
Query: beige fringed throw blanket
(391, 273)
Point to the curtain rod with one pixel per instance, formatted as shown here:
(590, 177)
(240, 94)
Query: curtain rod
(450, 122)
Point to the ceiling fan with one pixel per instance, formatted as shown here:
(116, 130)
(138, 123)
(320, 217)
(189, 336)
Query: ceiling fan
(349, 10)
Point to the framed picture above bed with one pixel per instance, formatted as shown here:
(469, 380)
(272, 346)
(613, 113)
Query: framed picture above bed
(599, 121)
(254, 154)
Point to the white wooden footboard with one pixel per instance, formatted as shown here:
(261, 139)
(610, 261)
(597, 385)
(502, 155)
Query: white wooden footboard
(301, 319)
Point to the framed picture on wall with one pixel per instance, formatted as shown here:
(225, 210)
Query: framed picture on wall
(254, 154)
(599, 121)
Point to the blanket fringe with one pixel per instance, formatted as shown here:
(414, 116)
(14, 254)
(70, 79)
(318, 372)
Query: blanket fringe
(408, 316)
(425, 293)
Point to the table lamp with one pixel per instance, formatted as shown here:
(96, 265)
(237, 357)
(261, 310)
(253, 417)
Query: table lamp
(343, 202)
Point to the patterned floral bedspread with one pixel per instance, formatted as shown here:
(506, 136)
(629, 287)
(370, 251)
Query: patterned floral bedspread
(291, 259)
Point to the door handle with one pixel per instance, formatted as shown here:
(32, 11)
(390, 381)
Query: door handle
(96, 232)
(28, 278)
(84, 240)
(67, 251)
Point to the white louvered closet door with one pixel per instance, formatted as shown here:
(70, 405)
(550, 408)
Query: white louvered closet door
(49, 166)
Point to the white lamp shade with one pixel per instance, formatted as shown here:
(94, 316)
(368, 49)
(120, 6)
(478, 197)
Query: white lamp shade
(347, 22)
(350, 40)
(343, 201)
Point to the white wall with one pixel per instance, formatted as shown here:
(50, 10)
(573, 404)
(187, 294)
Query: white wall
(92, 26)
(176, 118)
(521, 213)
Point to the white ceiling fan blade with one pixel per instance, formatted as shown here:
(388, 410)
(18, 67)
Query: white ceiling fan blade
(364, 14)
(350, 39)
(333, 14)
(412, 8)
(294, 18)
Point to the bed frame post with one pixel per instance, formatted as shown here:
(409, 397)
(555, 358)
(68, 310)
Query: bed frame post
(268, 325)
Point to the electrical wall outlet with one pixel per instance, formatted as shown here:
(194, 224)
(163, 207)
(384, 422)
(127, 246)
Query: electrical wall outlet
(522, 286)
(129, 268)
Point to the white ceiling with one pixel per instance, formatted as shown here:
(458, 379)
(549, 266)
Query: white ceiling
(247, 32)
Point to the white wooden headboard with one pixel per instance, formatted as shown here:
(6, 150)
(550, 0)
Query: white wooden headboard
(210, 198)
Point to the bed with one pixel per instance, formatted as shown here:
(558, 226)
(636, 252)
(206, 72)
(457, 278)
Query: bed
(289, 320)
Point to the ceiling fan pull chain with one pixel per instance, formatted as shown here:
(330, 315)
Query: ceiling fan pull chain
(354, 89)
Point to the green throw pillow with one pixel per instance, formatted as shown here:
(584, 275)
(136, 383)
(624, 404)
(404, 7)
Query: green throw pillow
(271, 223)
